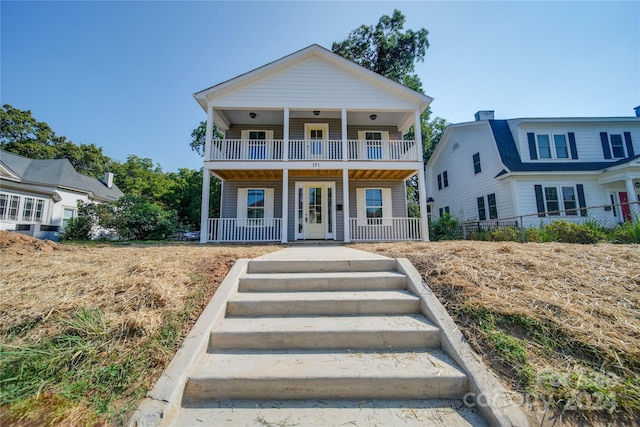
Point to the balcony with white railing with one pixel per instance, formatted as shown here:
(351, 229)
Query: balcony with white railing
(384, 229)
(313, 150)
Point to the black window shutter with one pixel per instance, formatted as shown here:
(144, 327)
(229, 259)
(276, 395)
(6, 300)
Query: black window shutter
(572, 145)
(581, 202)
(604, 138)
(627, 139)
(533, 153)
(539, 200)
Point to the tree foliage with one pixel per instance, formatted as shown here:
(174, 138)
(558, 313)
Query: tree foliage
(389, 51)
(22, 134)
(174, 193)
(386, 49)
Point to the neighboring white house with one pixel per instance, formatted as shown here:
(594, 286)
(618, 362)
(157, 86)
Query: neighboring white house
(489, 169)
(313, 149)
(38, 197)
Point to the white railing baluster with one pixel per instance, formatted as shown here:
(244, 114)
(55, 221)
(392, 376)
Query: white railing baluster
(385, 229)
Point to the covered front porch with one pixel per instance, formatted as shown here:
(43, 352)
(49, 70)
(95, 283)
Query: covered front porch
(287, 205)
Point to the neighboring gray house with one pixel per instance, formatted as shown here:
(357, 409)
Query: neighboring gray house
(313, 149)
(489, 168)
(38, 197)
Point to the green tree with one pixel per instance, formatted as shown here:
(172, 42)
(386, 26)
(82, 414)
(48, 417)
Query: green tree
(199, 137)
(140, 177)
(386, 49)
(138, 218)
(22, 134)
(389, 51)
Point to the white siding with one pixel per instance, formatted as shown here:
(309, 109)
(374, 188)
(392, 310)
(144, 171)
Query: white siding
(313, 83)
(465, 186)
(587, 138)
(594, 194)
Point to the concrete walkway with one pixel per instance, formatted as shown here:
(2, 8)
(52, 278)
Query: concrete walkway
(325, 335)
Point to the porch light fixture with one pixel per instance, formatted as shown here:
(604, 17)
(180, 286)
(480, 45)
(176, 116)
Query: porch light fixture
(637, 184)
(252, 115)
(316, 113)
(373, 116)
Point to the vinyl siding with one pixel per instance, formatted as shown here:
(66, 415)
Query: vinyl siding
(594, 193)
(587, 138)
(230, 196)
(465, 186)
(296, 129)
(398, 196)
(323, 83)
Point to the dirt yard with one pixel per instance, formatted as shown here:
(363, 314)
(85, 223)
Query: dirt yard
(545, 317)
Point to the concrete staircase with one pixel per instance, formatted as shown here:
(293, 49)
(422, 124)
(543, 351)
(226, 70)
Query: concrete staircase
(324, 330)
(332, 339)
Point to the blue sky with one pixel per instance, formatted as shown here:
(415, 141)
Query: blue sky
(121, 74)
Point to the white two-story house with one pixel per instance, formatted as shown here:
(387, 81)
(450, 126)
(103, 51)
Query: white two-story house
(548, 167)
(313, 149)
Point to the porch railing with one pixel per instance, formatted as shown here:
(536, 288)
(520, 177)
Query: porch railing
(274, 149)
(315, 150)
(244, 230)
(384, 229)
(246, 149)
(404, 150)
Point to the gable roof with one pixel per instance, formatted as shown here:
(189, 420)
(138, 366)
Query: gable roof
(511, 157)
(58, 173)
(313, 51)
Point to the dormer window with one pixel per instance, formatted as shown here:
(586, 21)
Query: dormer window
(552, 146)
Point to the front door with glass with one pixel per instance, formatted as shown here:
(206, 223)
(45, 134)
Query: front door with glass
(315, 213)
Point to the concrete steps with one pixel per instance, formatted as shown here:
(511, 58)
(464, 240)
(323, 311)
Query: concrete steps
(324, 329)
(326, 375)
(323, 332)
(326, 336)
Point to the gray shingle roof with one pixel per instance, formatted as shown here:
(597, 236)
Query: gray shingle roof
(58, 173)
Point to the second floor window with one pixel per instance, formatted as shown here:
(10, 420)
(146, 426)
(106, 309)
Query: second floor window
(617, 146)
(476, 163)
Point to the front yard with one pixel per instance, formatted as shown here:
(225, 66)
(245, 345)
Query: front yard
(85, 330)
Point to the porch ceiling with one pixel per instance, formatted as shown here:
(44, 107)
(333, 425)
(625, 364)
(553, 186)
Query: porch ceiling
(276, 117)
(274, 175)
(378, 174)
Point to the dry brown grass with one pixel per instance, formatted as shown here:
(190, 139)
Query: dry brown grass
(586, 296)
(135, 286)
(589, 291)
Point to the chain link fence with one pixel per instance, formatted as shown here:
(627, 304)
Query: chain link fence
(605, 216)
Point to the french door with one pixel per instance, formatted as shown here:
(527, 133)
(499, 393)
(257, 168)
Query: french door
(315, 210)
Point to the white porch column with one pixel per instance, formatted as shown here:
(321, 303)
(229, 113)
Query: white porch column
(345, 150)
(424, 220)
(345, 204)
(285, 137)
(422, 189)
(204, 210)
(206, 180)
(631, 196)
(418, 133)
(285, 204)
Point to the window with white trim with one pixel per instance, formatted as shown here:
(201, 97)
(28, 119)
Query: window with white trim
(617, 146)
(561, 198)
(552, 146)
(4, 205)
(14, 204)
(482, 211)
(67, 215)
(476, 164)
(21, 208)
(493, 206)
(254, 206)
(374, 206)
(445, 179)
(28, 208)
